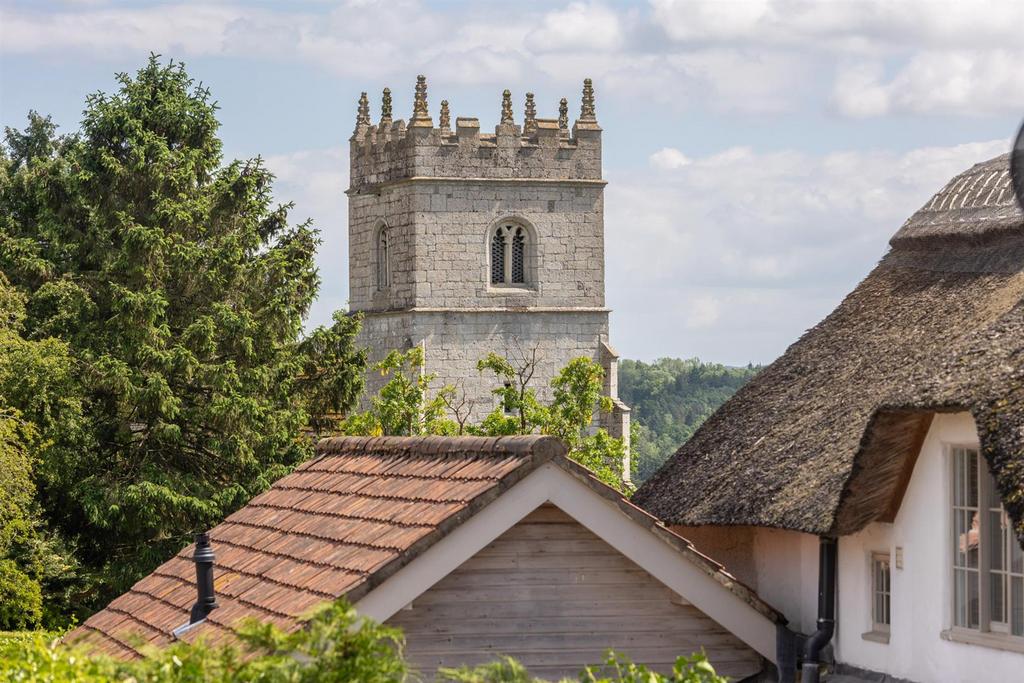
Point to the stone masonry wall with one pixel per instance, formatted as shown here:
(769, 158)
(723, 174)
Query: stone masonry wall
(439, 237)
(455, 341)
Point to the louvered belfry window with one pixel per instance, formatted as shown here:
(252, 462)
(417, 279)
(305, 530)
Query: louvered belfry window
(519, 257)
(509, 254)
(498, 257)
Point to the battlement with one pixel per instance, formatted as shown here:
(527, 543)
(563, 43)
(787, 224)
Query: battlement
(540, 149)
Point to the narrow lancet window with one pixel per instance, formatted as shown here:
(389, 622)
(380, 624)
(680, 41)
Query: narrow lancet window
(383, 260)
(498, 257)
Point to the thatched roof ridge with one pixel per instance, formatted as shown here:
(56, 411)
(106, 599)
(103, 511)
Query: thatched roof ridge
(975, 203)
(823, 439)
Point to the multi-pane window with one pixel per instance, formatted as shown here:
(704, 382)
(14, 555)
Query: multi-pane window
(881, 592)
(383, 259)
(988, 565)
(509, 254)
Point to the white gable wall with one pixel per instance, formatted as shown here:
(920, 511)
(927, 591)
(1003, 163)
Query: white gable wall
(921, 590)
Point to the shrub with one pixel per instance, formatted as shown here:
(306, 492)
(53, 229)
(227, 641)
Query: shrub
(21, 600)
(336, 645)
(616, 669)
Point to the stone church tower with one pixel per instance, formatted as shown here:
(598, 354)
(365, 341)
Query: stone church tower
(467, 243)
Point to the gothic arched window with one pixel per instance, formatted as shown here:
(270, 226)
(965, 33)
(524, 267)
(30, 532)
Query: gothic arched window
(510, 253)
(383, 258)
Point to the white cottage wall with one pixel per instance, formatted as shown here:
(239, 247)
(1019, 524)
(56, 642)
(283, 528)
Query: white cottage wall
(921, 590)
(781, 565)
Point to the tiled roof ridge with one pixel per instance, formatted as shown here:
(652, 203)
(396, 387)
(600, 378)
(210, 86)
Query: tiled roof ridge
(520, 445)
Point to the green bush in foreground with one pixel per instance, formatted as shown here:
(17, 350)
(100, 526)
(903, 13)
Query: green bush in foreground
(336, 646)
(616, 669)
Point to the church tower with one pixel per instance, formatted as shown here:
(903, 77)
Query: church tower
(468, 243)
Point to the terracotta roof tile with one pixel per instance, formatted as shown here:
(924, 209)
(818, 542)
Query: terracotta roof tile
(340, 523)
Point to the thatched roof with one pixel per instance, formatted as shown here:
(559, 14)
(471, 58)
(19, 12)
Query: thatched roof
(824, 439)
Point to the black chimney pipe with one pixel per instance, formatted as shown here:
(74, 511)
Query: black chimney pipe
(827, 552)
(207, 599)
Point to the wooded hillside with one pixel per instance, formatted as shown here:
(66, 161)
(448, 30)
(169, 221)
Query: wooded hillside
(670, 398)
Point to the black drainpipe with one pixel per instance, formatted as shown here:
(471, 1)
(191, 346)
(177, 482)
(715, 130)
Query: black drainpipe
(207, 599)
(827, 551)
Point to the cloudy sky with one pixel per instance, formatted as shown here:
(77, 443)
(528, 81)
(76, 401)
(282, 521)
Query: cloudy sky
(759, 153)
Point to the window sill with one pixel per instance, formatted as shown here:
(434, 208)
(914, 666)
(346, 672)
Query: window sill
(995, 641)
(510, 290)
(876, 637)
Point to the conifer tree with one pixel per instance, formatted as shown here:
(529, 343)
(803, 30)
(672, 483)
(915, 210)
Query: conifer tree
(180, 289)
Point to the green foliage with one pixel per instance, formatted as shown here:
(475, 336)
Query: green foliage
(577, 395)
(34, 376)
(670, 399)
(335, 645)
(154, 335)
(21, 600)
(503, 670)
(402, 407)
(619, 669)
(518, 410)
(332, 371)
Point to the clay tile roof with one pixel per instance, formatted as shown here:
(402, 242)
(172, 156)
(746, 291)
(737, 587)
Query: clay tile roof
(338, 525)
(824, 439)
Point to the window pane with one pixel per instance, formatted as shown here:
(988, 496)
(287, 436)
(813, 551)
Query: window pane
(1017, 606)
(498, 257)
(973, 600)
(996, 595)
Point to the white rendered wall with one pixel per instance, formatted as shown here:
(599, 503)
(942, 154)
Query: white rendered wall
(782, 566)
(921, 592)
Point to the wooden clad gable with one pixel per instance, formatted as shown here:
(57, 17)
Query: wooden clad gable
(552, 594)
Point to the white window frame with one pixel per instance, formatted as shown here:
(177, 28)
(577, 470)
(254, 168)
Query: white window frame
(883, 592)
(879, 630)
(988, 632)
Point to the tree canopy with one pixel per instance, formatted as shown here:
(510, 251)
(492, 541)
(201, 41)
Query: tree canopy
(406, 406)
(166, 290)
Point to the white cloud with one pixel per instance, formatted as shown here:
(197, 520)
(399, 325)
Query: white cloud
(746, 56)
(580, 26)
(668, 158)
(732, 255)
(960, 81)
